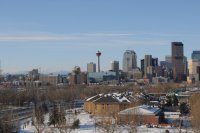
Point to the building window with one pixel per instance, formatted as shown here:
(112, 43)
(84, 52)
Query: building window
(124, 106)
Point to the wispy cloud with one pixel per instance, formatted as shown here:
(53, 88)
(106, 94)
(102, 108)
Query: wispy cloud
(64, 37)
(93, 38)
(37, 38)
(49, 41)
(59, 37)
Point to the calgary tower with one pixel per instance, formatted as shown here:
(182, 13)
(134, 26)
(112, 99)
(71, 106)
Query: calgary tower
(98, 53)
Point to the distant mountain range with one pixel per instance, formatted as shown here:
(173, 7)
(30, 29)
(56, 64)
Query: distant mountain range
(62, 72)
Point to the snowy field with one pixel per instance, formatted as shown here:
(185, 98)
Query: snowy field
(87, 126)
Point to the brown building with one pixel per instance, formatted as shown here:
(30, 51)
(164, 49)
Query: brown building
(178, 61)
(80, 78)
(109, 105)
(77, 77)
(72, 79)
(49, 79)
(141, 115)
(32, 78)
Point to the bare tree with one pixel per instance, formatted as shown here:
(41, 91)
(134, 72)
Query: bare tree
(61, 124)
(38, 119)
(195, 106)
(136, 119)
(108, 123)
(7, 123)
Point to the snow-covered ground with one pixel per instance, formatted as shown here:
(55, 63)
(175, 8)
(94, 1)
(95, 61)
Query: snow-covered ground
(87, 126)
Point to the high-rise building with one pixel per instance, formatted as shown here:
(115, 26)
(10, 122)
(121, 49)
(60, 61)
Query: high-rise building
(115, 66)
(196, 55)
(147, 63)
(167, 67)
(129, 60)
(154, 62)
(178, 61)
(77, 77)
(168, 58)
(185, 64)
(142, 66)
(194, 67)
(91, 67)
(33, 75)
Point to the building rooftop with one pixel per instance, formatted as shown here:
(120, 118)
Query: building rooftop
(111, 97)
(141, 110)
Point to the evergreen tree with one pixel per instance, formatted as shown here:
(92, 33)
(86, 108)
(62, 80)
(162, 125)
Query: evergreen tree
(75, 124)
(175, 100)
(57, 117)
(61, 119)
(169, 101)
(184, 109)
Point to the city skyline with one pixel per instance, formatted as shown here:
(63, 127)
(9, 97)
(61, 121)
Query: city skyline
(57, 36)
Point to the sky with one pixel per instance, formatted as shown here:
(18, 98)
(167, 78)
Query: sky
(60, 34)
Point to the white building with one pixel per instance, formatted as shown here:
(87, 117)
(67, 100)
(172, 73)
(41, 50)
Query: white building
(49, 79)
(115, 66)
(157, 80)
(194, 70)
(129, 60)
(91, 67)
(172, 115)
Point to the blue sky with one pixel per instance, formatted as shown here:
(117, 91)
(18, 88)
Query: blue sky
(57, 35)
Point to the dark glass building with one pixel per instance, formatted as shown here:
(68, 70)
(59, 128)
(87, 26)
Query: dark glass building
(178, 61)
(142, 66)
(196, 55)
(154, 62)
(148, 64)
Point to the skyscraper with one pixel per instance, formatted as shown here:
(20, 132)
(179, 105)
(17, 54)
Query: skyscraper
(194, 67)
(129, 60)
(147, 63)
(115, 66)
(154, 62)
(168, 58)
(196, 55)
(185, 65)
(178, 61)
(91, 67)
(142, 66)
